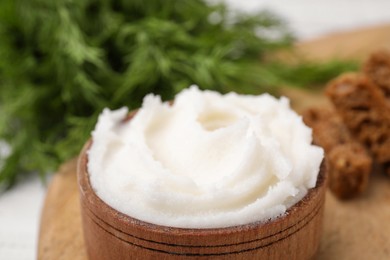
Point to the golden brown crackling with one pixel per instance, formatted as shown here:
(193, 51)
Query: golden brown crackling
(363, 108)
(377, 67)
(349, 165)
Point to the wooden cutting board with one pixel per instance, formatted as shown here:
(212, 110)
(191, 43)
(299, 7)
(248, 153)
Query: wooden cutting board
(355, 229)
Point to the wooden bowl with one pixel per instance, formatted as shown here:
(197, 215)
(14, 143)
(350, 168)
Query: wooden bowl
(110, 234)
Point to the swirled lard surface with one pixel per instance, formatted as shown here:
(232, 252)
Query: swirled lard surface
(206, 161)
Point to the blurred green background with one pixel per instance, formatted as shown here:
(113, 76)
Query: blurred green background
(63, 61)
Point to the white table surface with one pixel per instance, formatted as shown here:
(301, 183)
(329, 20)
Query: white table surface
(20, 207)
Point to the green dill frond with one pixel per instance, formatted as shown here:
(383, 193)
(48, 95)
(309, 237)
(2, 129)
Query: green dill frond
(63, 61)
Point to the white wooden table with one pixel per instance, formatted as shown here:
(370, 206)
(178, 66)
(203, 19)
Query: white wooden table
(20, 209)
